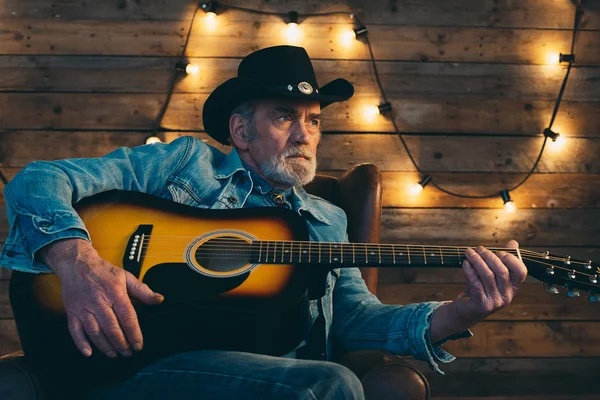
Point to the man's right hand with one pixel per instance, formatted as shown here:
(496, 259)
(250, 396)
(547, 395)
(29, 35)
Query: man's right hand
(96, 296)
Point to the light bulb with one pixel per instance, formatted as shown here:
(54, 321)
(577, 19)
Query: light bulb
(153, 139)
(293, 32)
(211, 15)
(192, 69)
(510, 206)
(552, 58)
(416, 189)
(370, 112)
(348, 37)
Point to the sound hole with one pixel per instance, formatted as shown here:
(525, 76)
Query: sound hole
(223, 254)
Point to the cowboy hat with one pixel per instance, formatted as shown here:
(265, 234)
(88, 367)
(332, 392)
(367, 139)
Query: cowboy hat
(280, 71)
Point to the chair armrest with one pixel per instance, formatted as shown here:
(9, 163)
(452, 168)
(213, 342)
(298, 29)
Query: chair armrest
(386, 376)
(18, 380)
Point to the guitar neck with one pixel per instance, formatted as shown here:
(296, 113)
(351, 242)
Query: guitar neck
(339, 255)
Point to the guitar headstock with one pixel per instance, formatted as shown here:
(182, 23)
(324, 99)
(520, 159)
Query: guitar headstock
(564, 271)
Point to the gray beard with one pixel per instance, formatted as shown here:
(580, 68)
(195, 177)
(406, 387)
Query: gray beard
(289, 171)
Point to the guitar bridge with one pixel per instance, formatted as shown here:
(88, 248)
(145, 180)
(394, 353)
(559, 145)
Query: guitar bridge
(136, 249)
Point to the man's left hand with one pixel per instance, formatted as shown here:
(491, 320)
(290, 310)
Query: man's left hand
(493, 281)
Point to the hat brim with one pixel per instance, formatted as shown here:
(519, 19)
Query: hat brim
(223, 100)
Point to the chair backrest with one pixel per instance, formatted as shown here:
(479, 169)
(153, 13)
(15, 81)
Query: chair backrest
(358, 192)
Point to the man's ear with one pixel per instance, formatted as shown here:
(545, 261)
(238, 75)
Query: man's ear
(238, 128)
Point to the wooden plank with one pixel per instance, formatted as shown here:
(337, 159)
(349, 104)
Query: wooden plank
(5, 308)
(9, 340)
(540, 190)
(530, 339)
(445, 275)
(401, 79)
(471, 115)
(337, 152)
(530, 227)
(321, 40)
(522, 378)
(531, 303)
(551, 14)
(5, 273)
(389, 42)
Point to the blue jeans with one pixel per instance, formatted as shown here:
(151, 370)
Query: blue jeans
(210, 374)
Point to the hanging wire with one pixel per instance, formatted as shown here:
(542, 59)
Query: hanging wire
(555, 112)
(157, 125)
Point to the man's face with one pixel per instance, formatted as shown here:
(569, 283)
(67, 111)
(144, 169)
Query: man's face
(283, 140)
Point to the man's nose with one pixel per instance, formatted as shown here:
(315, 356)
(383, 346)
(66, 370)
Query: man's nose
(301, 134)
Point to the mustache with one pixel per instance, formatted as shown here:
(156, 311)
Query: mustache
(298, 151)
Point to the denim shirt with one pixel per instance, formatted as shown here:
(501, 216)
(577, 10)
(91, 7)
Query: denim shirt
(39, 208)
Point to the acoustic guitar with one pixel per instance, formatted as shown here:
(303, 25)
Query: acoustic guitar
(247, 271)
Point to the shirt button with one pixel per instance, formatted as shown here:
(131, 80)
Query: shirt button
(233, 199)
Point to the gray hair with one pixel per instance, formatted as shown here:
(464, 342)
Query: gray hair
(247, 111)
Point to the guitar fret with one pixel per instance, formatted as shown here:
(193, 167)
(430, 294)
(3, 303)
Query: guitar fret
(319, 252)
(441, 255)
(408, 252)
(366, 254)
(394, 253)
(309, 250)
(260, 251)
(424, 255)
(300, 253)
(379, 250)
(353, 255)
(329, 253)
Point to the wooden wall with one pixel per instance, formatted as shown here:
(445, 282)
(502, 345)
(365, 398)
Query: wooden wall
(471, 87)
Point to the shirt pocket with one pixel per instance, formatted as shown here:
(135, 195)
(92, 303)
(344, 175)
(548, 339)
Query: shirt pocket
(182, 196)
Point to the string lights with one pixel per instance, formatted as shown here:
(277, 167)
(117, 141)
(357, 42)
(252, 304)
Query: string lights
(358, 32)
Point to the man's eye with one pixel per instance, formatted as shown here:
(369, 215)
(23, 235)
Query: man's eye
(316, 122)
(285, 118)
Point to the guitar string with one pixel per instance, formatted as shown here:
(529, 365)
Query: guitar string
(432, 251)
(247, 255)
(230, 242)
(242, 243)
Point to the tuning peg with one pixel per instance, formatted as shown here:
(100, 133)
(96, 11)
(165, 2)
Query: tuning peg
(594, 278)
(568, 260)
(546, 254)
(573, 293)
(550, 270)
(593, 298)
(588, 265)
(571, 274)
(552, 289)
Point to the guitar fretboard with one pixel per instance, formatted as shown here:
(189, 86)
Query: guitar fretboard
(356, 254)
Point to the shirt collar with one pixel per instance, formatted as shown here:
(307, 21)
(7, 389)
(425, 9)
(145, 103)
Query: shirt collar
(299, 198)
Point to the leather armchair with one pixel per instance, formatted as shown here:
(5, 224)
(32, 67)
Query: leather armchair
(384, 376)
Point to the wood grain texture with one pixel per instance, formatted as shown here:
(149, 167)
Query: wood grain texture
(530, 339)
(530, 227)
(532, 303)
(5, 308)
(9, 340)
(400, 79)
(472, 115)
(322, 40)
(552, 14)
(338, 152)
(521, 378)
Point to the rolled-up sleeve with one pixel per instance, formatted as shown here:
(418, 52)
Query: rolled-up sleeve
(360, 321)
(40, 198)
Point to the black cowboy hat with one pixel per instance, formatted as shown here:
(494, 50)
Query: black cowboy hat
(280, 71)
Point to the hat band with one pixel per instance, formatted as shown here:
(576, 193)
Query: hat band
(303, 87)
